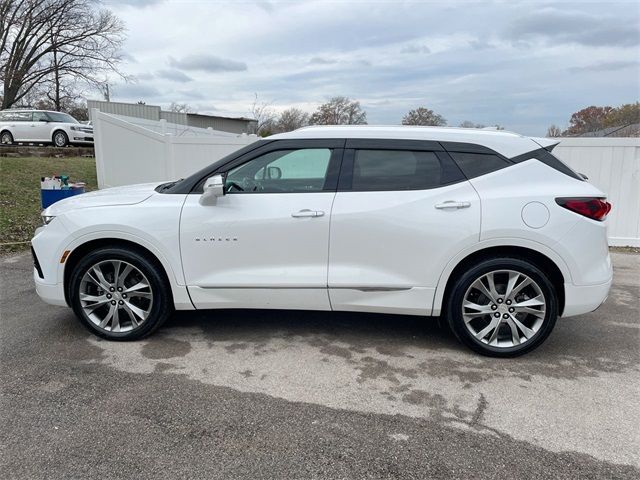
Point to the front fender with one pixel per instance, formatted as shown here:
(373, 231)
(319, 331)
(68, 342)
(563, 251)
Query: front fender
(153, 224)
(181, 297)
(174, 274)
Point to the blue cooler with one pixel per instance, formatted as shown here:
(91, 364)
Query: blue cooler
(50, 197)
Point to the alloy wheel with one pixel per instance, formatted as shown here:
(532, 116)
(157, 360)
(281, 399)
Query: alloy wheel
(59, 139)
(504, 308)
(115, 296)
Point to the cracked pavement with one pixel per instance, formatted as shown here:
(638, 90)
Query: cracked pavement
(290, 394)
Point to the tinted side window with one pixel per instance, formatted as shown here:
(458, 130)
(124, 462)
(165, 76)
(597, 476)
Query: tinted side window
(399, 170)
(282, 171)
(476, 164)
(17, 116)
(40, 117)
(394, 170)
(309, 163)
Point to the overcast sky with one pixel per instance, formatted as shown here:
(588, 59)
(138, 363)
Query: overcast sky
(523, 65)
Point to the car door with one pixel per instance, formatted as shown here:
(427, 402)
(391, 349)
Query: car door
(264, 244)
(40, 127)
(402, 211)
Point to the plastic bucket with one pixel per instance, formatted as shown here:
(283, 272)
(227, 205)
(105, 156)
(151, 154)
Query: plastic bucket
(49, 197)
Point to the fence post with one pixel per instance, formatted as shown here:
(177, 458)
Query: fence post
(97, 146)
(171, 157)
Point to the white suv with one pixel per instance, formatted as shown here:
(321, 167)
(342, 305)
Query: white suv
(485, 228)
(42, 126)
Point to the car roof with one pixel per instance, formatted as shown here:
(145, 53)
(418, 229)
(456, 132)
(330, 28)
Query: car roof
(21, 110)
(506, 143)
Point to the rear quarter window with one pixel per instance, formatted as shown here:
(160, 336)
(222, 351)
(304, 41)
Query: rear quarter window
(16, 116)
(476, 164)
(550, 160)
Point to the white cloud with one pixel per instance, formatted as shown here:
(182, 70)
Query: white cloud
(174, 75)
(207, 63)
(489, 62)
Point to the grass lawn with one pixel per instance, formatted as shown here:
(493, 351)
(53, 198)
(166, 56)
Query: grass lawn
(20, 193)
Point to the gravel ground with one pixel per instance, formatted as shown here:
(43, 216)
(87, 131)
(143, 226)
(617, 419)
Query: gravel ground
(275, 394)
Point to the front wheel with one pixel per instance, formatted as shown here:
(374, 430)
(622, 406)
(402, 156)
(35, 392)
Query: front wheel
(60, 139)
(502, 307)
(119, 294)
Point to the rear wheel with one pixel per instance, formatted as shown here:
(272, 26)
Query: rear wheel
(60, 139)
(6, 138)
(119, 294)
(503, 307)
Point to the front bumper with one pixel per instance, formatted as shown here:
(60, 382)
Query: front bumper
(82, 139)
(52, 294)
(48, 244)
(49, 293)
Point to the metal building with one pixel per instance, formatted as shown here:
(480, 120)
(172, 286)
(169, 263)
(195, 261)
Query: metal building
(154, 112)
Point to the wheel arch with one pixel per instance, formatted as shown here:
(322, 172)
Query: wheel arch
(558, 274)
(6, 130)
(56, 130)
(81, 250)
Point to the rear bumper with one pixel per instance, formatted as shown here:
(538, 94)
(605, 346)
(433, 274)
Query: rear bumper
(580, 299)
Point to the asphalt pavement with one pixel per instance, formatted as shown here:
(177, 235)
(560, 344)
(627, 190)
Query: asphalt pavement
(289, 394)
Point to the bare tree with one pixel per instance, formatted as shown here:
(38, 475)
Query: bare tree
(291, 119)
(423, 116)
(264, 115)
(339, 111)
(180, 107)
(554, 131)
(44, 41)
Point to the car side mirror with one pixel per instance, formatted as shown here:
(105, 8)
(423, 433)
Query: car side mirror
(213, 188)
(274, 173)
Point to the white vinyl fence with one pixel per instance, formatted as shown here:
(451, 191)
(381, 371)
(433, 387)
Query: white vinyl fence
(134, 150)
(612, 165)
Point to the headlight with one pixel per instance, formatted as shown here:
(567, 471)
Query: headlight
(46, 219)
(74, 128)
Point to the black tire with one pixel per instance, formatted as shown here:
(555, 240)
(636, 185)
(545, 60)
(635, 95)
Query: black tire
(60, 139)
(454, 305)
(6, 138)
(160, 306)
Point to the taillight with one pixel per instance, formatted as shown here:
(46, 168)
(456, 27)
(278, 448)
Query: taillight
(594, 208)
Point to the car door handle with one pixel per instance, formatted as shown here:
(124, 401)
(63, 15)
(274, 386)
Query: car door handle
(307, 213)
(450, 204)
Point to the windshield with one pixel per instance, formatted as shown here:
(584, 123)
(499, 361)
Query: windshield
(61, 117)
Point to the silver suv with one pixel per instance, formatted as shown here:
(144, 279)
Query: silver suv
(43, 126)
